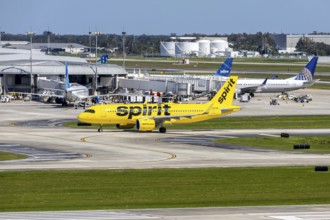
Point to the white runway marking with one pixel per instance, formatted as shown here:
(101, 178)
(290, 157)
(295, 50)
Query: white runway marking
(269, 135)
(302, 216)
(71, 215)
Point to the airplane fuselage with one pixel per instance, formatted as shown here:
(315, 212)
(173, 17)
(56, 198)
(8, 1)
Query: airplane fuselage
(76, 92)
(272, 85)
(129, 113)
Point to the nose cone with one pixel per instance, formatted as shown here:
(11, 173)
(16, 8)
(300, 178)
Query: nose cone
(82, 117)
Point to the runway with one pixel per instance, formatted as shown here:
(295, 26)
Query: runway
(310, 212)
(33, 129)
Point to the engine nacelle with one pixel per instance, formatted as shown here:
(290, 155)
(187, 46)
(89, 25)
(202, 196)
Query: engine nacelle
(125, 126)
(145, 124)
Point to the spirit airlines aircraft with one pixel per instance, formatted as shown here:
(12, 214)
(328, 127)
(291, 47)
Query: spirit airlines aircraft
(302, 80)
(146, 117)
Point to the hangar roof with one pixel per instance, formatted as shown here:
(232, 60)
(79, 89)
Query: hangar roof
(57, 68)
(45, 45)
(14, 61)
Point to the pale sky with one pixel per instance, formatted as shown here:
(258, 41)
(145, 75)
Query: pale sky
(165, 16)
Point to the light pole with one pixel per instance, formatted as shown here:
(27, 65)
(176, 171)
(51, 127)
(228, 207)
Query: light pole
(90, 45)
(31, 33)
(48, 40)
(124, 54)
(95, 78)
(4, 82)
(1, 33)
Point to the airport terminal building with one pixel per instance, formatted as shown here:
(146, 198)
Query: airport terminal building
(18, 72)
(286, 43)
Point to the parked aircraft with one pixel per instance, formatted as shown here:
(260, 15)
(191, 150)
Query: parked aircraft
(73, 92)
(146, 117)
(302, 80)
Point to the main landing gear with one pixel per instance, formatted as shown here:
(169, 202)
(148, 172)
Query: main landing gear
(162, 130)
(100, 129)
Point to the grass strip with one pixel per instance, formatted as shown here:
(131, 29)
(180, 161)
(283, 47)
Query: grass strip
(214, 66)
(244, 123)
(10, 156)
(318, 144)
(162, 188)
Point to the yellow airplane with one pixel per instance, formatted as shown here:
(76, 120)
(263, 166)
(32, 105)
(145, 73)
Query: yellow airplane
(146, 117)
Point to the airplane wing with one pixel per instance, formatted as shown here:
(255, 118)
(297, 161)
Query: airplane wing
(160, 119)
(253, 89)
(169, 118)
(44, 94)
(250, 89)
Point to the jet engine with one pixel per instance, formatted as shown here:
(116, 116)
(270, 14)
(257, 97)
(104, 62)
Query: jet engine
(125, 126)
(145, 124)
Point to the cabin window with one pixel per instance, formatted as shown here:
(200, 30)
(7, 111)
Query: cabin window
(90, 111)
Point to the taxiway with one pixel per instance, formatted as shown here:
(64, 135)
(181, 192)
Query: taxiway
(33, 129)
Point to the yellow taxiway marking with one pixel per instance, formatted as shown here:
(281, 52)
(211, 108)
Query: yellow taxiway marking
(84, 140)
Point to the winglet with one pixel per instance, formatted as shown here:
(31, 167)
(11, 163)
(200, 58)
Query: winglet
(308, 72)
(225, 68)
(67, 82)
(264, 82)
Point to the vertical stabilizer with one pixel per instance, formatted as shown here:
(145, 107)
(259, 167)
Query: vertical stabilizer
(225, 95)
(103, 59)
(225, 68)
(308, 72)
(67, 82)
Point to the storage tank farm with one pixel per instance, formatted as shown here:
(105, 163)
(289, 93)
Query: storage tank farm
(201, 48)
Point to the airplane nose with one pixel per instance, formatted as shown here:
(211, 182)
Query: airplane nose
(82, 117)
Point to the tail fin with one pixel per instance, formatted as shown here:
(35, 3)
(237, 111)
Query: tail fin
(103, 59)
(225, 95)
(225, 68)
(67, 82)
(308, 72)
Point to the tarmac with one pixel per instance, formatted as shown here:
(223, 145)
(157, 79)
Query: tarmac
(33, 128)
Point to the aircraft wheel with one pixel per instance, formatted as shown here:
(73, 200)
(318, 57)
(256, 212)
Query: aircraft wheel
(162, 130)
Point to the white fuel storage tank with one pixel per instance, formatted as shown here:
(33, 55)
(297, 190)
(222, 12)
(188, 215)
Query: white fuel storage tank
(167, 49)
(218, 46)
(204, 47)
(186, 48)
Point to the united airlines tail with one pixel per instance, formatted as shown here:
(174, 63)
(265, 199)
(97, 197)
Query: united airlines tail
(307, 73)
(225, 68)
(67, 82)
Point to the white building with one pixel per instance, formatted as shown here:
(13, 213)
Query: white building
(287, 43)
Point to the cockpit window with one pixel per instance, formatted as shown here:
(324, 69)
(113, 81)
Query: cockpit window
(90, 111)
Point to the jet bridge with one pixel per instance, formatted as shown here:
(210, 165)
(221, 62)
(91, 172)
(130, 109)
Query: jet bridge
(180, 85)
